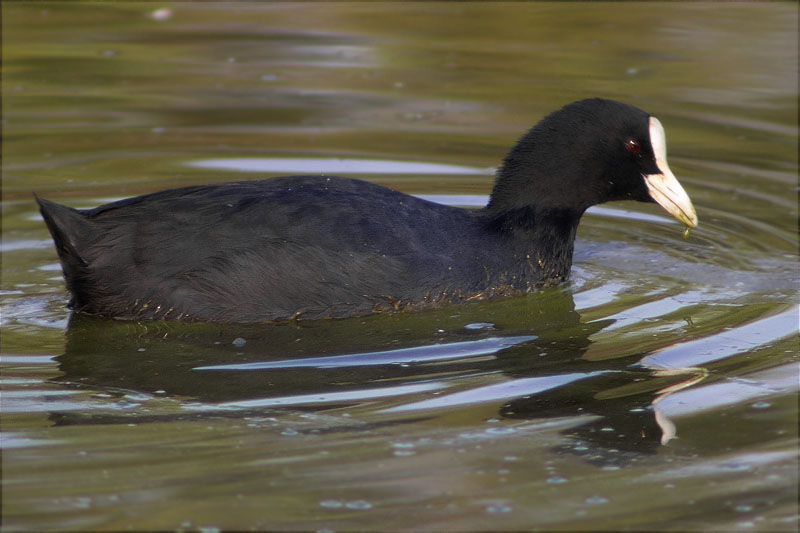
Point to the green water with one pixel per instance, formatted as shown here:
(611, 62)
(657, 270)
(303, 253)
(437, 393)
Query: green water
(655, 391)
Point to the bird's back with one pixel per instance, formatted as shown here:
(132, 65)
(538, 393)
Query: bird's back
(250, 251)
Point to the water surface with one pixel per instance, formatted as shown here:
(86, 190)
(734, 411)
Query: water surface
(657, 390)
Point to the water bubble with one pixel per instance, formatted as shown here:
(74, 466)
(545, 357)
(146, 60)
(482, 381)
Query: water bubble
(479, 325)
(596, 500)
(733, 467)
(501, 431)
(239, 342)
(83, 502)
(359, 505)
(498, 508)
(556, 480)
(289, 432)
(160, 14)
(761, 405)
(330, 504)
(404, 453)
(743, 508)
(403, 449)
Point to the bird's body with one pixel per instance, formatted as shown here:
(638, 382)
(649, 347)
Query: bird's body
(325, 246)
(373, 249)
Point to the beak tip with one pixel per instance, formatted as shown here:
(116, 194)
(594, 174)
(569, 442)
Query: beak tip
(667, 192)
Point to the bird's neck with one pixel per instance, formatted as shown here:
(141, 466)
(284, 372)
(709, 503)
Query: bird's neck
(542, 240)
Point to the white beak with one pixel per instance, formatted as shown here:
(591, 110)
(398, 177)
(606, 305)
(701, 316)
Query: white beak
(665, 188)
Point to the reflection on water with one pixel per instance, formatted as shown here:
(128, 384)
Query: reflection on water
(219, 363)
(334, 166)
(417, 354)
(655, 391)
(727, 343)
(540, 376)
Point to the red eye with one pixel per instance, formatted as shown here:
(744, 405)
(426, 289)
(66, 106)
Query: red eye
(633, 146)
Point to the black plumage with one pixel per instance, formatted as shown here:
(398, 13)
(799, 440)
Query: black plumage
(325, 246)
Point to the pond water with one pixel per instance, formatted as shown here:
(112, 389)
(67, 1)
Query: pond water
(656, 390)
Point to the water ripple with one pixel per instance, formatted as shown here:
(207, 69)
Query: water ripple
(436, 352)
(727, 343)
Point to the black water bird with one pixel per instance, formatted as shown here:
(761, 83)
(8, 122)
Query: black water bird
(324, 246)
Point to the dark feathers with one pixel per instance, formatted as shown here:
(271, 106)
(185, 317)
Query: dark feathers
(311, 247)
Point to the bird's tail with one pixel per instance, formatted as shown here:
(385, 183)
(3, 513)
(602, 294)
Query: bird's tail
(71, 232)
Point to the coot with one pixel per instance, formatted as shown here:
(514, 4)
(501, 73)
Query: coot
(309, 247)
